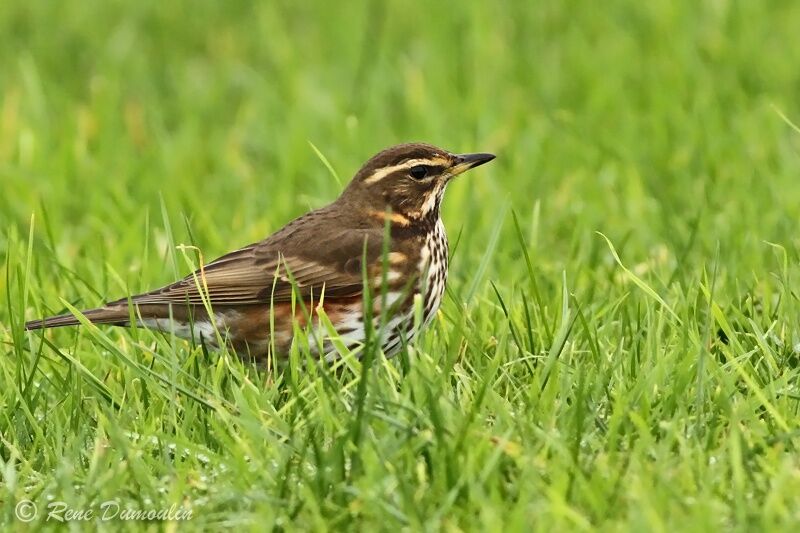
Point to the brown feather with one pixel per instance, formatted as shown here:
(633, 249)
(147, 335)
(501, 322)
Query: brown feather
(263, 272)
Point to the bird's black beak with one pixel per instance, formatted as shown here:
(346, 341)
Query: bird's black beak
(465, 162)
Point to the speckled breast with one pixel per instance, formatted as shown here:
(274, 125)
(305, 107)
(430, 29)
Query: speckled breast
(433, 264)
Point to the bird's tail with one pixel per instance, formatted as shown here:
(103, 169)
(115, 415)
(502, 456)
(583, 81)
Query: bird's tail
(117, 316)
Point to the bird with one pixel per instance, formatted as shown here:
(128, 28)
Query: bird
(382, 236)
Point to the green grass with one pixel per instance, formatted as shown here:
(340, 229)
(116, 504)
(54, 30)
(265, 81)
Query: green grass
(562, 387)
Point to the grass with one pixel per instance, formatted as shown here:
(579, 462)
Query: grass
(643, 207)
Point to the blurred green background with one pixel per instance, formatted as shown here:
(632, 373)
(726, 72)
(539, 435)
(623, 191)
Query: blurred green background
(665, 125)
(630, 119)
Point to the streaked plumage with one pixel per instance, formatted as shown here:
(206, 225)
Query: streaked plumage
(321, 254)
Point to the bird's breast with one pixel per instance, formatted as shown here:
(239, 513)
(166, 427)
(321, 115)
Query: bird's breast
(433, 269)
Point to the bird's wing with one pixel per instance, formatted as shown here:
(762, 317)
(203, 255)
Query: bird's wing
(265, 272)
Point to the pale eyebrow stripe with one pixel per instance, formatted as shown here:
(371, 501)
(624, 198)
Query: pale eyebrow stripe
(381, 173)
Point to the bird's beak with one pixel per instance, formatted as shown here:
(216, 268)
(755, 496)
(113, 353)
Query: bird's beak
(465, 162)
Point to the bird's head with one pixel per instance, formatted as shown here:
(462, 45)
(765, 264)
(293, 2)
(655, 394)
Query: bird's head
(409, 180)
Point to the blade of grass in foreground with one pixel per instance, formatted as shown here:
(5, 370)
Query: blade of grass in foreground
(326, 163)
(562, 334)
(639, 282)
(488, 253)
(537, 297)
(141, 369)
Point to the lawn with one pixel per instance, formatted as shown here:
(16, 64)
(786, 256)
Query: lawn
(619, 347)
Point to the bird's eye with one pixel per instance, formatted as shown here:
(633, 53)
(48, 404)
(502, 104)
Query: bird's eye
(418, 172)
